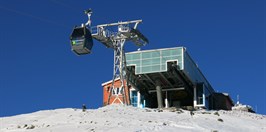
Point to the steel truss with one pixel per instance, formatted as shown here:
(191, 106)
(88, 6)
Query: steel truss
(126, 31)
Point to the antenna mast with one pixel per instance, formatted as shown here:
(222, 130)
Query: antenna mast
(88, 12)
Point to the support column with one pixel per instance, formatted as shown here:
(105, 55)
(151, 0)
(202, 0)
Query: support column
(159, 94)
(195, 97)
(166, 100)
(138, 94)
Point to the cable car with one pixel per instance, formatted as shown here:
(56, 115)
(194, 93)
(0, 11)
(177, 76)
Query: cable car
(81, 40)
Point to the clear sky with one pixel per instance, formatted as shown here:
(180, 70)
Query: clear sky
(38, 70)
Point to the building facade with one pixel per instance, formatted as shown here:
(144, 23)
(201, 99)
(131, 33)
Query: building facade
(164, 78)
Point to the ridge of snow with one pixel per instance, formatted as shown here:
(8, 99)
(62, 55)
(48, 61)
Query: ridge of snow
(127, 118)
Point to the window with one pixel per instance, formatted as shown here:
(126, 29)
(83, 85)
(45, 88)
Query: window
(108, 89)
(200, 94)
(117, 91)
(134, 98)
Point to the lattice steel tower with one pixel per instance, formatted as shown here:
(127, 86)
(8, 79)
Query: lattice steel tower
(124, 31)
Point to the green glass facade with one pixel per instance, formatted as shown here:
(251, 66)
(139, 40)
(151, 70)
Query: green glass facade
(151, 61)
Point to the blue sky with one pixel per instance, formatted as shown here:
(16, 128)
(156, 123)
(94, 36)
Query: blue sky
(38, 71)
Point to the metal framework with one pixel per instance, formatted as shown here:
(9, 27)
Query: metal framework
(125, 31)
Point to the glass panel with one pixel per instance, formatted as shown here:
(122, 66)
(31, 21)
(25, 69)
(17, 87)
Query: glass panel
(155, 54)
(136, 62)
(129, 57)
(138, 70)
(146, 69)
(174, 52)
(200, 93)
(155, 61)
(146, 55)
(163, 67)
(180, 65)
(165, 53)
(134, 98)
(136, 56)
(146, 62)
(179, 58)
(155, 68)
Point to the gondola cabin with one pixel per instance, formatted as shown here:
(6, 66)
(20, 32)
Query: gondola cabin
(81, 40)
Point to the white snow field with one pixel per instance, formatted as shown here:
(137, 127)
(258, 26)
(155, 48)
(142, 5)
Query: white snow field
(120, 118)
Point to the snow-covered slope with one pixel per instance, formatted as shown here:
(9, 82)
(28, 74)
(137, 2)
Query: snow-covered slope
(126, 118)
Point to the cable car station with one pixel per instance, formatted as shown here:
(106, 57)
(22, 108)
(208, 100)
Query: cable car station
(150, 78)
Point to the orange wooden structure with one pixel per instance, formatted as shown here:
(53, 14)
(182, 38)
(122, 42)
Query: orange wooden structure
(116, 92)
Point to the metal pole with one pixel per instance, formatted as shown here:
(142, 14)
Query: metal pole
(121, 68)
(113, 80)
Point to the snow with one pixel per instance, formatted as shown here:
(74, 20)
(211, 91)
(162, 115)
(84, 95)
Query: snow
(115, 118)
